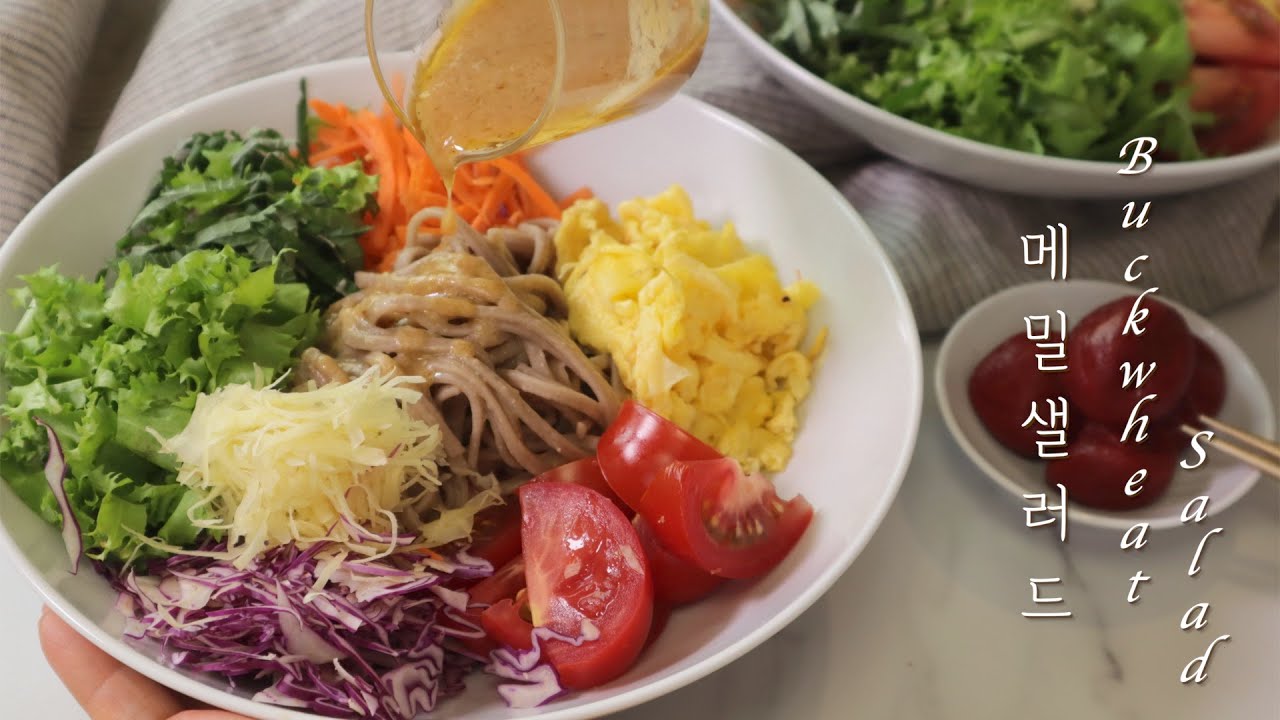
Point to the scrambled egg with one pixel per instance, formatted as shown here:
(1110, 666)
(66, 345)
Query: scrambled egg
(701, 331)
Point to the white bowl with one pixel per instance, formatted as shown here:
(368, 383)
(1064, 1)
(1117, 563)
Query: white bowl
(858, 430)
(988, 323)
(986, 165)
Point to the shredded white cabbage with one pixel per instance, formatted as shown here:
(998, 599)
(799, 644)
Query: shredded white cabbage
(328, 464)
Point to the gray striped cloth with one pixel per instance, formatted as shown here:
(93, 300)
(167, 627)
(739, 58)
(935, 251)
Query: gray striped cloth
(77, 74)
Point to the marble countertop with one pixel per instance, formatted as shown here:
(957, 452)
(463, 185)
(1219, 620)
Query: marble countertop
(927, 624)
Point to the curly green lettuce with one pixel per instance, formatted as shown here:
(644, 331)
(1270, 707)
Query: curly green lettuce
(257, 195)
(107, 368)
(1074, 79)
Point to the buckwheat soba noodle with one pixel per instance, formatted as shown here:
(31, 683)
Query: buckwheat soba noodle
(483, 321)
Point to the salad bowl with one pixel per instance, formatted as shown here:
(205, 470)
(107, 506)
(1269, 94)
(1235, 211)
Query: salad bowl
(986, 165)
(857, 429)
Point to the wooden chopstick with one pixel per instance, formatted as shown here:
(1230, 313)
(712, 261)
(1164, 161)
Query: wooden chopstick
(1269, 459)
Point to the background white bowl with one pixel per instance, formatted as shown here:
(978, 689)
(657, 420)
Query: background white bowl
(858, 429)
(986, 165)
(988, 323)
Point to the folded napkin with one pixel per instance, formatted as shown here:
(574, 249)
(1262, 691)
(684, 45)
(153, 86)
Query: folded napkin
(78, 74)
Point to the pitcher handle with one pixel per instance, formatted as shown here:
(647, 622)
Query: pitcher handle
(557, 22)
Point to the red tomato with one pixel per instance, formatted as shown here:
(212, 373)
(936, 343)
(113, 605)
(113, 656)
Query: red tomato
(1234, 31)
(1002, 389)
(1245, 103)
(585, 472)
(675, 582)
(1096, 350)
(1098, 466)
(638, 445)
(504, 584)
(504, 624)
(724, 522)
(495, 535)
(661, 614)
(585, 564)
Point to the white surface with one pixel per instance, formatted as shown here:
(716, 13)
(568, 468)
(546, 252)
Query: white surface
(987, 165)
(925, 625)
(987, 324)
(865, 403)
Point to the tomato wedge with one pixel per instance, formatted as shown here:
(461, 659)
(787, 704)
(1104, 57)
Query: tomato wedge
(675, 581)
(585, 568)
(724, 522)
(503, 584)
(1245, 103)
(495, 534)
(585, 472)
(661, 615)
(504, 624)
(638, 445)
(1234, 31)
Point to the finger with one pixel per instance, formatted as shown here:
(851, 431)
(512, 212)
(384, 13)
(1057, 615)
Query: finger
(105, 688)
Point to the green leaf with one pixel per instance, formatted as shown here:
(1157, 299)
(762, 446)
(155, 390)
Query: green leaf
(252, 194)
(108, 536)
(178, 528)
(31, 487)
(1072, 78)
(303, 128)
(111, 371)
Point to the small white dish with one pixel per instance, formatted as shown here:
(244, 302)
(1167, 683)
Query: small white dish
(988, 323)
(985, 165)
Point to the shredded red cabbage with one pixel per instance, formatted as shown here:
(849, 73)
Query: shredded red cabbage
(55, 471)
(536, 681)
(370, 643)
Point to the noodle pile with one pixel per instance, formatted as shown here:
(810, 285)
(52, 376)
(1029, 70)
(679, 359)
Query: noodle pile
(483, 321)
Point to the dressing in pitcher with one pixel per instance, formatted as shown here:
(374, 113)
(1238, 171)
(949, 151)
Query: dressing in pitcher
(497, 76)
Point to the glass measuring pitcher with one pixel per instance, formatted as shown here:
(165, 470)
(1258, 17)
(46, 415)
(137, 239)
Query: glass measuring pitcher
(495, 76)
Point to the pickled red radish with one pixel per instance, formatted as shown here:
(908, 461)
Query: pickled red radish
(1208, 390)
(1002, 389)
(1098, 466)
(1098, 348)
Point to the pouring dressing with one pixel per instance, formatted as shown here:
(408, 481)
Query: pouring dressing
(497, 76)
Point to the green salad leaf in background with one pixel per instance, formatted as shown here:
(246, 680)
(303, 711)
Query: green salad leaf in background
(104, 367)
(257, 195)
(1069, 78)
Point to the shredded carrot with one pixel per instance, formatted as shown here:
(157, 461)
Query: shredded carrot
(538, 198)
(331, 115)
(501, 193)
(336, 151)
(582, 193)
